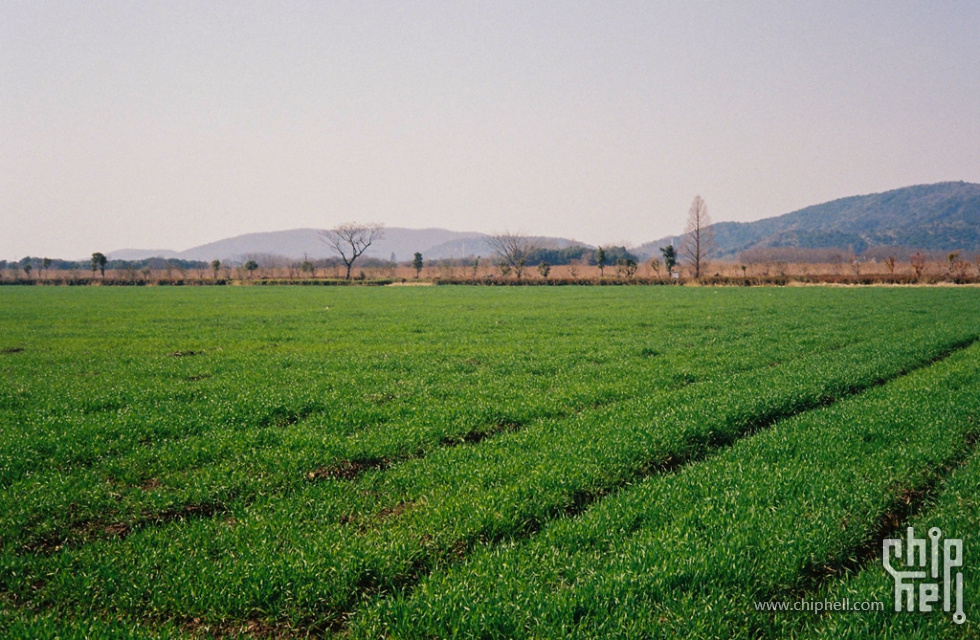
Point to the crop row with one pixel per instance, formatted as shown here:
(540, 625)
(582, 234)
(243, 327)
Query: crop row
(78, 452)
(689, 554)
(210, 475)
(307, 558)
(956, 513)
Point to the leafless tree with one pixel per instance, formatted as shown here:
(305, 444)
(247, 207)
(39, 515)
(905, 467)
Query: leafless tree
(957, 266)
(350, 239)
(918, 262)
(890, 262)
(699, 240)
(513, 249)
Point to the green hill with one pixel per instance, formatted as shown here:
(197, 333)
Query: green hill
(934, 217)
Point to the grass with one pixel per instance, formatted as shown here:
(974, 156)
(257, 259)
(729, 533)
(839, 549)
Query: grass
(765, 519)
(292, 461)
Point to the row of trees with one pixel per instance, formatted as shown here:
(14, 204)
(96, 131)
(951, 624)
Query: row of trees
(97, 264)
(27, 265)
(270, 268)
(516, 250)
(514, 253)
(350, 240)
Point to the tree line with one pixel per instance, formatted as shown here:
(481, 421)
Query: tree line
(512, 255)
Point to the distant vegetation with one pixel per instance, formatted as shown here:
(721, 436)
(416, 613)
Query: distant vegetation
(924, 233)
(577, 254)
(569, 266)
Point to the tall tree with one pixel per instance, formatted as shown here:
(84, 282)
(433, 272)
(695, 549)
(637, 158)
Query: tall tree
(513, 248)
(699, 238)
(417, 264)
(670, 258)
(350, 239)
(98, 262)
(600, 260)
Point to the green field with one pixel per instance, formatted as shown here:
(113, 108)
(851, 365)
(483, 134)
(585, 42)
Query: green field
(427, 462)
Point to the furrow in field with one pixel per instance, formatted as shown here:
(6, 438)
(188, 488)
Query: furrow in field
(955, 511)
(83, 457)
(86, 531)
(909, 501)
(912, 505)
(695, 448)
(129, 400)
(702, 445)
(126, 509)
(114, 523)
(686, 554)
(457, 500)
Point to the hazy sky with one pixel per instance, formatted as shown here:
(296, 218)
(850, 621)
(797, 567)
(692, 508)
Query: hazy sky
(170, 124)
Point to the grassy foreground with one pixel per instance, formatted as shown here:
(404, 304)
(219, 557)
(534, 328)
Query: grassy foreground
(476, 462)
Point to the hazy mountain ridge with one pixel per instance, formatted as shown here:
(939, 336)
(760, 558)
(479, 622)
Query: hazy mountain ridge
(297, 244)
(141, 254)
(935, 217)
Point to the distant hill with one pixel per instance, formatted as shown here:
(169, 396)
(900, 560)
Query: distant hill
(141, 254)
(295, 244)
(935, 217)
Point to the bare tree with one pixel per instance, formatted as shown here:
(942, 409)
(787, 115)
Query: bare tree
(918, 262)
(350, 239)
(957, 266)
(513, 248)
(890, 263)
(699, 240)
